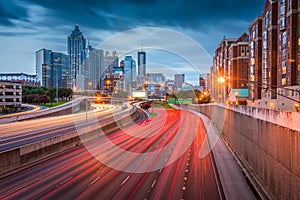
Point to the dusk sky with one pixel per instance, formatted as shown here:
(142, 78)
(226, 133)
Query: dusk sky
(27, 26)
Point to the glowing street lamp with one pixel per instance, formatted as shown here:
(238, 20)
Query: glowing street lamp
(221, 80)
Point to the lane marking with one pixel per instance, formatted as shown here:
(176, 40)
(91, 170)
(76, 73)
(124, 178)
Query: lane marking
(160, 170)
(153, 183)
(63, 182)
(126, 179)
(94, 181)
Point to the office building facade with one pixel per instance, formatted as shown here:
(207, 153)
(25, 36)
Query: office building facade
(129, 73)
(43, 67)
(94, 68)
(179, 79)
(141, 67)
(52, 68)
(76, 51)
(59, 68)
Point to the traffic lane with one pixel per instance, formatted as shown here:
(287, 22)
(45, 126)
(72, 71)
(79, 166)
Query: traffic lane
(138, 185)
(20, 139)
(202, 174)
(122, 178)
(97, 143)
(44, 123)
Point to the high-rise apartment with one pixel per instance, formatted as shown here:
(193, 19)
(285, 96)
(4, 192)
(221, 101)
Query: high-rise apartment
(255, 59)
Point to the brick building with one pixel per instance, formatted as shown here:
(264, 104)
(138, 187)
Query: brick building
(239, 61)
(255, 59)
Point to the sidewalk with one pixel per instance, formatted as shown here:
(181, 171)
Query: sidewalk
(232, 179)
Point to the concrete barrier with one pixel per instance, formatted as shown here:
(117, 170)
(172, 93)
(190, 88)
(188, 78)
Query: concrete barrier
(20, 156)
(267, 142)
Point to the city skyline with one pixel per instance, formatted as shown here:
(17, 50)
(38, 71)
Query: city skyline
(19, 18)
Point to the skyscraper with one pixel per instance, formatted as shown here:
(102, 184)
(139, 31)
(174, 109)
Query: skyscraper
(129, 73)
(141, 67)
(59, 68)
(94, 68)
(51, 68)
(141, 63)
(111, 61)
(179, 79)
(43, 67)
(76, 51)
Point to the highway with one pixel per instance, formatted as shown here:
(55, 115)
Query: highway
(25, 132)
(154, 158)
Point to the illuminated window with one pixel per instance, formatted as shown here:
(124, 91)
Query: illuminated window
(283, 70)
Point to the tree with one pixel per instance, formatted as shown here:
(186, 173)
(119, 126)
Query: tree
(43, 99)
(52, 94)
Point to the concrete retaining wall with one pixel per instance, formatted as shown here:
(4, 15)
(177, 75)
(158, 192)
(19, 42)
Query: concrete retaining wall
(26, 154)
(266, 141)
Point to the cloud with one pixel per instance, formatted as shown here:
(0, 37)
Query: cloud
(9, 11)
(46, 23)
(121, 15)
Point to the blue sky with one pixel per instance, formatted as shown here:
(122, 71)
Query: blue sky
(27, 26)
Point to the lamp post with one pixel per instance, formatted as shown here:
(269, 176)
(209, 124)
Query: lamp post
(86, 109)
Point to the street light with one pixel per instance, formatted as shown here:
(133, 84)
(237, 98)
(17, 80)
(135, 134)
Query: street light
(90, 84)
(221, 80)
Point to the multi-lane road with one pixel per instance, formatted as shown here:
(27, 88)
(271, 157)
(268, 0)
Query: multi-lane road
(29, 131)
(155, 158)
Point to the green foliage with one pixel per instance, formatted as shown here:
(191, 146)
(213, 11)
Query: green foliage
(162, 104)
(56, 103)
(32, 94)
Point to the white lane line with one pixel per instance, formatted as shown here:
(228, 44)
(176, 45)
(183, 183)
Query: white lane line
(160, 170)
(166, 159)
(153, 183)
(124, 158)
(94, 181)
(146, 157)
(126, 179)
(63, 182)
